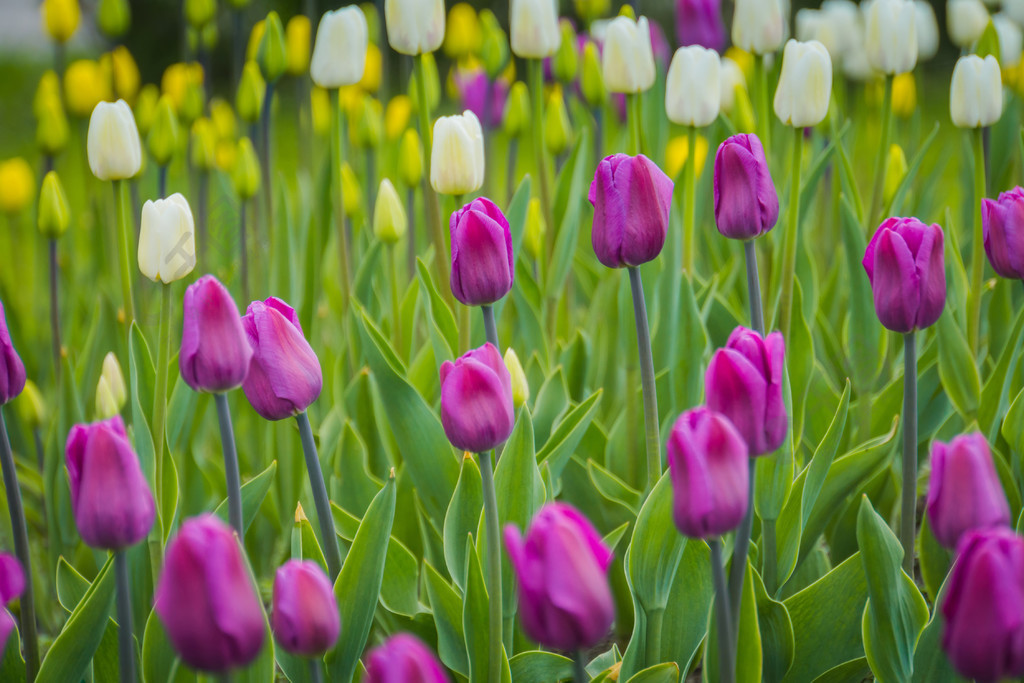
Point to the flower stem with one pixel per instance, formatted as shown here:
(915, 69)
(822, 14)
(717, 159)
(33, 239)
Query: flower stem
(764, 121)
(908, 508)
(754, 287)
(161, 181)
(493, 570)
(651, 424)
(689, 202)
(977, 251)
(54, 309)
(537, 100)
(579, 668)
(723, 617)
(741, 546)
(231, 474)
(123, 216)
(790, 239)
(243, 244)
(265, 167)
(490, 326)
(883, 150)
(396, 307)
(655, 619)
(323, 506)
(163, 355)
(338, 151)
(633, 122)
(431, 204)
(316, 670)
(125, 638)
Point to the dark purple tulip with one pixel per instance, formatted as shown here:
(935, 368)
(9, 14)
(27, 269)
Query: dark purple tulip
(12, 370)
(285, 377)
(482, 262)
(480, 95)
(305, 620)
(746, 203)
(905, 264)
(1003, 224)
(565, 601)
(403, 658)
(215, 353)
(476, 400)
(631, 198)
(12, 584)
(984, 607)
(110, 497)
(699, 22)
(744, 383)
(206, 600)
(708, 463)
(964, 492)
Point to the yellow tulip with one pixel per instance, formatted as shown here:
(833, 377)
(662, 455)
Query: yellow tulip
(678, 151)
(463, 36)
(226, 155)
(252, 48)
(204, 144)
(126, 74)
(297, 37)
(397, 116)
(245, 175)
(320, 107)
(61, 18)
(114, 17)
(557, 127)
(225, 125)
(145, 107)
(251, 90)
(389, 219)
(199, 13)
(895, 172)
(85, 86)
(744, 60)
(52, 128)
(533, 234)
(367, 126)
(17, 185)
(353, 200)
(47, 91)
(179, 81)
(410, 158)
(372, 73)
(904, 95)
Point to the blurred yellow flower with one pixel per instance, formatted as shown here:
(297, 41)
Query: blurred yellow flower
(397, 116)
(320, 106)
(204, 144)
(145, 107)
(227, 153)
(199, 13)
(353, 200)
(47, 91)
(251, 90)
(178, 79)
(297, 36)
(85, 86)
(895, 172)
(54, 215)
(252, 48)
(17, 185)
(678, 151)
(904, 95)
(533, 235)
(223, 118)
(52, 128)
(126, 74)
(114, 17)
(463, 35)
(592, 9)
(372, 73)
(558, 132)
(410, 158)
(744, 60)
(246, 173)
(367, 124)
(60, 18)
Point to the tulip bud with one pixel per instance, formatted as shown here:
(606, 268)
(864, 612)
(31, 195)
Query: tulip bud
(1003, 226)
(410, 159)
(12, 370)
(54, 214)
(464, 33)
(251, 90)
(162, 141)
(389, 220)
(414, 26)
(145, 107)
(397, 115)
(252, 47)
(631, 198)
(476, 400)
(895, 172)
(533, 234)
(126, 75)
(746, 203)
(520, 385)
(591, 78)
(115, 389)
(457, 156)
(115, 151)
(517, 109)
(558, 132)
(215, 352)
(905, 264)
(692, 92)
(17, 185)
(534, 28)
(565, 62)
(199, 13)
(85, 86)
(367, 126)
(285, 377)
(305, 619)
(404, 658)
(494, 49)
(61, 18)
(297, 34)
(927, 28)
(565, 601)
(272, 55)
(114, 17)
(206, 600)
(744, 383)
(48, 90)
(984, 598)
(31, 407)
(904, 95)
(246, 174)
(891, 35)
(203, 146)
(353, 192)
(482, 262)
(12, 585)
(627, 63)
(805, 84)
(106, 405)
(758, 26)
(1011, 41)
(731, 78)
(167, 240)
(433, 83)
(966, 21)
(699, 22)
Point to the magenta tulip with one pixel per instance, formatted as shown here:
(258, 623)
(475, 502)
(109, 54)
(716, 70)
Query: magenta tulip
(305, 620)
(403, 658)
(12, 370)
(481, 95)
(699, 22)
(1003, 223)
(746, 203)
(476, 400)
(12, 585)
(482, 261)
(215, 353)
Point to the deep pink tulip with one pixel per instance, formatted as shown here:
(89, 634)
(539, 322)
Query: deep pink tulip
(403, 658)
(699, 22)
(744, 383)
(12, 585)
(746, 203)
(305, 620)
(285, 376)
(206, 600)
(215, 353)
(476, 400)
(964, 492)
(482, 261)
(561, 565)
(481, 95)
(1003, 224)
(110, 497)
(904, 262)
(12, 370)
(632, 198)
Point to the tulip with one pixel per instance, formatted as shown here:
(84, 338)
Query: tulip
(339, 53)
(115, 151)
(927, 28)
(699, 22)
(565, 601)
(199, 13)
(822, 26)
(517, 109)
(1003, 222)
(591, 77)
(678, 153)
(904, 262)
(984, 631)
(904, 95)
(895, 172)
(61, 18)
(52, 131)
(494, 48)
(533, 231)
(245, 176)
(184, 84)
(403, 658)
(432, 81)
(520, 385)
(457, 157)
(744, 383)
(966, 21)
(251, 91)
(12, 370)
(476, 400)
(746, 203)
(892, 36)
(85, 86)
(215, 352)
(110, 497)
(162, 141)
(12, 585)
(534, 28)
(389, 219)
(1011, 41)
(805, 84)
(145, 107)
(414, 26)
(558, 134)
(17, 185)
(758, 26)
(296, 34)
(305, 619)
(203, 144)
(272, 54)
(31, 407)
(692, 92)
(566, 60)
(397, 115)
(731, 79)
(631, 198)
(367, 126)
(1015, 9)
(114, 17)
(479, 95)
(111, 391)
(167, 242)
(410, 158)
(285, 377)
(463, 33)
(627, 62)
(353, 192)
(206, 600)
(482, 262)
(126, 74)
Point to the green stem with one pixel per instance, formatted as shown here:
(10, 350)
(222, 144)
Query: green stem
(883, 150)
(232, 478)
(977, 252)
(54, 308)
(430, 200)
(790, 238)
(689, 202)
(493, 570)
(650, 394)
(316, 670)
(536, 67)
(163, 355)
(396, 309)
(323, 505)
(723, 618)
(655, 618)
(579, 668)
(764, 121)
(338, 151)
(741, 546)
(633, 122)
(123, 216)
(265, 167)
(754, 287)
(125, 639)
(490, 326)
(908, 509)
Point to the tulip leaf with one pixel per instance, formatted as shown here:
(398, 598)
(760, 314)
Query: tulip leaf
(444, 333)
(812, 176)
(253, 493)
(853, 671)
(776, 630)
(659, 673)
(71, 586)
(551, 404)
(568, 229)
(748, 648)
(1013, 425)
(261, 669)
(12, 666)
(159, 659)
(957, 369)
(895, 207)
(864, 336)
(463, 518)
(446, 606)
(933, 559)
(141, 379)
(930, 660)
(516, 214)
(540, 666)
(475, 617)
(957, 285)
(685, 621)
(568, 434)
(996, 394)
(655, 548)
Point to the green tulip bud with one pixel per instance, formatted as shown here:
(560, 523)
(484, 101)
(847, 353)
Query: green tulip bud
(52, 128)
(433, 83)
(163, 139)
(565, 62)
(204, 144)
(246, 174)
(272, 54)
(209, 35)
(145, 107)
(517, 109)
(494, 49)
(557, 128)
(353, 204)
(54, 215)
(30, 406)
(533, 234)
(367, 124)
(520, 386)
(199, 13)
(47, 91)
(592, 80)
(588, 10)
(251, 90)
(114, 17)
(410, 158)
(389, 219)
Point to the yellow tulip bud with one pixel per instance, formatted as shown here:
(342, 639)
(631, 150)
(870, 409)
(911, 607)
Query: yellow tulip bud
(410, 158)
(114, 17)
(743, 59)
(183, 82)
(272, 55)
(126, 75)
(627, 11)
(588, 10)
(520, 387)
(30, 406)
(52, 128)
(246, 173)
(494, 50)
(533, 233)
(367, 126)
(320, 107)
(227, 153)
(17, 185)
(389, 219)
(47, 91)
(163, 140)
(85, 86)
(204, 144)
(251, 90)
(592, 78)
(145, 107)
(222, 116)
(397, 115)
(53, 215)
(297, 40)
(678, 152)
(433, 83)
(115, 392)
(199, 13)
(517, 109)
(895, 172)
(61, 18)
(743, 110)
(252, 48)
(353, 204)
(565, 61)
(351, 98)
(239, 4)
(904, 95)
(463, 36)
(373, 70)
(557, 128)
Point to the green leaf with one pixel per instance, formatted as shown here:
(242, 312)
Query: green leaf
(565, 243)
(895, 207)
(253, 493)
(141, 379)
(776, 628)
(463, 518)
(865, 333)
(540, 667)
(516, 214)
(957, 369)
(447, 607)
(930, 661)
(158, 657)
(685, 622)
(475, 617)
(748, 648)
(853, 671)
(655, 548)
(12, 666)
(444, 333)
(71, 586)
(567, 435)
(1013, 425)
(659, 673)
(995, 395)
(261, 669)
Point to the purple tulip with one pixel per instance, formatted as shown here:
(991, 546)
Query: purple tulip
(744, 383)
(631, 198)
(904, 262)
(699, 22)
(12, 584)
(482, 262)
(305, 620)
(285, 377)
(1003, 224)
(476, 400)
(480, 95)
(206, 600)
(12, 370)
(984, 607)
(708, 463)
(746, 203)
(565, 601)
(215, 353)
(659, 44)
(403, 658)
(110, 497)
(964, 492)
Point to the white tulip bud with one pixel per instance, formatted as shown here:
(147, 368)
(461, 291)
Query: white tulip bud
(758, 25)
(927, 30)
(457, 156)
(167, 240)
(1011, 40)
(891, 36)
(693, 90)
(339, 54)
(966, 21)
(111, 390)
(730, 77)
(805, 84)
(628, 60)
(534, 28)
(414, 26)
(819, 25)
(976, 95)
(115, 151)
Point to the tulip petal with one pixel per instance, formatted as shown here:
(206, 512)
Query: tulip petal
(896, 283)
(931, 269)
(12, 578)
(737, 389)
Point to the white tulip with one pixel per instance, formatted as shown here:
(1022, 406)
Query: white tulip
(693, 89)
(758, 25)
(628, 59)
(167, 240)
(891, 36)
(1015, 8)
(730, 77)
(457, 156)
(339, 54)
(966, 21)
(820, 25)
(927, 30)
(115, 152)
(805, 84)
(976, 94)
(1011, 40)
(534, 31)
(414, 26)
